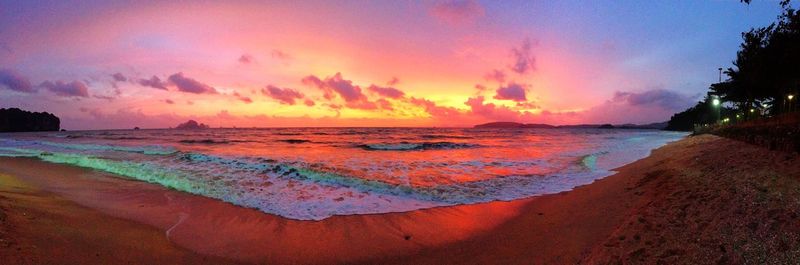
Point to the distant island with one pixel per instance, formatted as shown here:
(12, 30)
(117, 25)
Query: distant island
(191, 125)
(517, 125)
(17, 120)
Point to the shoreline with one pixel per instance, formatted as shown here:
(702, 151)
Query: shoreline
(589, 224)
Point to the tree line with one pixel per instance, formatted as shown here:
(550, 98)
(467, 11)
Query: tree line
(763, 81)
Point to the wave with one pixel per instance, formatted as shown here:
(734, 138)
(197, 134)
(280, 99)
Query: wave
(204, 141)
(287, 134)
(147, 150)
(408, 146)
(126, 138)
(590, 161)
(294, 141)
(439, 136)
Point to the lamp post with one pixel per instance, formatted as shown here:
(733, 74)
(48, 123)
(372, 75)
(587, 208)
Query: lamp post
(790, 97)
(720, 74)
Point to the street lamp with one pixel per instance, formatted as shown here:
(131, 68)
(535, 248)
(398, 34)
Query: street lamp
(790, 97)
(715, 103)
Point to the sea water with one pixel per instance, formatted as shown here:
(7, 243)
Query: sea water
(315, 173)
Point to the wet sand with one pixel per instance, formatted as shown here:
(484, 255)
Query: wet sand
(700, 200)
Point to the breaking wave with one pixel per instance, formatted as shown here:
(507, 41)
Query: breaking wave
(408, 146)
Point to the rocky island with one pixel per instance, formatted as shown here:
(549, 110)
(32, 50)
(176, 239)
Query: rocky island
(17, 120)
(191, 125)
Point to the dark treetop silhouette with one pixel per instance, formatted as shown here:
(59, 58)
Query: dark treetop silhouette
(764, 79)
(17, 120)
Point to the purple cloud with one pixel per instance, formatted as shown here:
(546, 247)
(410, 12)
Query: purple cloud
(286, 96)
(153, 82)
(457, 12)
(512, 91)
(189, 85)
(72, 89)
(393, 82)
(496, 75)
(309, 103)
(659, 97)
(246, 59)
(388, 92)
(119, 77)
(5, 47)
(336, 84)
(384, 104)
(524, 61)
(244, 99)
(169, 101)
(12, 80)
(280, 55)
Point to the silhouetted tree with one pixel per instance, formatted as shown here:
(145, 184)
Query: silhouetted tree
(17, 120)
(765, 70)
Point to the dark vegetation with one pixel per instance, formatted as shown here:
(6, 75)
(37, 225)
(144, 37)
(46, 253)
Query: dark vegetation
(516, 125)
(764, 80)
(17, 120)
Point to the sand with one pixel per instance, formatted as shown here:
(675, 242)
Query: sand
(701, 200)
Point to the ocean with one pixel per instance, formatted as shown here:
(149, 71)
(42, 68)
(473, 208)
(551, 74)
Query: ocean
(315, 173)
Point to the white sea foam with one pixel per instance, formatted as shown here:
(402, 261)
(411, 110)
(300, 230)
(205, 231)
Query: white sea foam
(337, 179)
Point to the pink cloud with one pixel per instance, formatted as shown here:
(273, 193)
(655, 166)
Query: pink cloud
(338, 85)
(457, 12)
(524, 61)
(153, 82)
(280, 55)
(661, 97)
(384, 104)
(493, 112)
(434, 110)
(496, 75)
(393, 82)
(12, 80)
(244, 99)
(388, 92)
(309, 103)
(246, 59)
(119, 77)
(71, 89)
(283, 95)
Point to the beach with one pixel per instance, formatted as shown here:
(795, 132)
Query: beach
(703, 199)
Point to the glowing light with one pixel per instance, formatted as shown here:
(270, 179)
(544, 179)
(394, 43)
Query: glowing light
(790, 97)
(752, 110)
(715, 102)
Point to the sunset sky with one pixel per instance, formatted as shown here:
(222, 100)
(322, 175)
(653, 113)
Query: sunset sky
(112, 64)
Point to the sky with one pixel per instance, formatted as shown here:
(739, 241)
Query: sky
(154, 64)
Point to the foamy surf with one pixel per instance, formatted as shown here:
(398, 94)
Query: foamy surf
(318, 174)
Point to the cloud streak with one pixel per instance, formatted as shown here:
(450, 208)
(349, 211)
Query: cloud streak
(389, 92)
(512, 91)
(63, 89)
(457, 12)
(189, 85)
(153, 82)
(524, 62)
(12, 80)
(286, 96)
